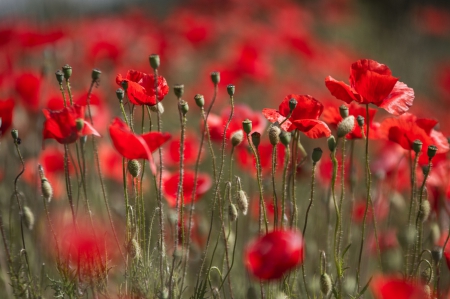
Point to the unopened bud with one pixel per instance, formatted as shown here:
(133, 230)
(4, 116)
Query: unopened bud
(360, 120)
(325, 284)
(316, 154)
(215, 77)
(159, 108)
(15, 134)
(231, 89)
(424, 210)
(184, 107)
(79, 124)
(134, 250)
(247, 126)
(435, 233)
(256, 138)
(232, 212)
(331, 143)
(274, 135)
(46, 189)
(154, 61)
(346, 126)
(134, 167)
(199, 100)
(407, 236)
(417, 146)
(67, 71)
(292, 104)
(95, 75)
(237, 137)
(242, 202)
(343, 111)
(178, 89)
(285, 138)
(436, 254)
(120, 94)
(28, 217)
(59, 76)
(432, 150)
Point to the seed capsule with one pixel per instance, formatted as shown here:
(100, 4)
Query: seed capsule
(134, 167)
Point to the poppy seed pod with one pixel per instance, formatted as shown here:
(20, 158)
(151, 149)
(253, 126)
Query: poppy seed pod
(331, 143)
(120, 93)
(67, 71)
(316, 154)
(46, 189)
(134, 167)
(28, 217)
(154, 61)
(247, 126)
(237, 138)
(158, 108)
(95, 75)
(436, 254)
(343, 111)
(417, 146)
(199, 100)
(325, 284)
(424, 210)
(178, 89)
(184, 107)
(231, 89)
(292, 104)
(79, 124)
(256, 138)
(15, 134)
(215, 77)
(346, 126)
(285, 138)
(242, 202)
(360, 120)
(232, 212)
(274, 135)
(432, 150)
(59, 76)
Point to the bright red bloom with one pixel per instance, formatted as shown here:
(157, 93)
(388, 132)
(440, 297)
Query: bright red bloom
(246, 160)
(372, 82)
(111, 162)
(28, 87)
(6, 115)
(133, 146)
(170, 186)
(272, 255)
(191, 147)
(384, 287)
(305, 116)
(141, 87)
(62, 125)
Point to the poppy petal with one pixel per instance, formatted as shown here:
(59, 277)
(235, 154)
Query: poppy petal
(313, 128)
(342, 91)
(399, 100)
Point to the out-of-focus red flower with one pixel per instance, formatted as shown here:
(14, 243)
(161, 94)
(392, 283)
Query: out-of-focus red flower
(133, 146)
(170, 186)
(141, 87)
(391, 287)
(111, 162)
(6, 115)
(372, 82)
(30, 38)
(99, 111)
(62, 125)
(191, 147)
(246, 160)
(273, 254)
(305, 116)
(386, 240)
(28, 87)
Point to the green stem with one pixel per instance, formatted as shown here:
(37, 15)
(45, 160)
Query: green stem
(284, 184)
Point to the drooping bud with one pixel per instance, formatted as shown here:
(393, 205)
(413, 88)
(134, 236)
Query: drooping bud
(67, 70)
(360, 120)
(325, 284)
(154, 61)
(343, 111)
(256, 138)
(79, 124)
(28, 217)
(178, 89)
(432, 150)
(46, 189)
(242, 202)
(292, 104)
(316, 154)
(417, 146)
(215, 77)
(134, 250)
(232, 212)
(435, 233)
(346, 126)
(159, 108)
(184, 107)
(120, 93)
(237, 137)
(285, 138)
(424, 210)
(59, 76)
(274, 135)
(199, 100)
(134, 167)
(15, 134)
(436, 254)
(95, 75)
(331, 143)
(247, 126)
(231, 89)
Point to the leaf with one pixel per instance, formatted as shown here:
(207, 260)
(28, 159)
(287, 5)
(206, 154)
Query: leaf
(346, 250)
(364, 288)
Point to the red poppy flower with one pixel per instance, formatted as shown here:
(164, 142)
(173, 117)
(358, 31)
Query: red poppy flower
(28, 87)
(273, 254)
(111, 162)
(305, 116)
(62, 125)
(170, 186)
(246, 160)
(372, 82)
(191, 147)
(141, 87)
(6, 115)
(133, 146)
(385, 287)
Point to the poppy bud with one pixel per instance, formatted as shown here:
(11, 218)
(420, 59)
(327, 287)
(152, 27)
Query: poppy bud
(345, 126)
(46, 189)
(408, 236)
(285, 138)
(424, 210)
(28, 217)
(436, 254)
(231, 89)
(154, 61)
(247, 126)
(158, 108)
(325, 284)
(59, 76)
(79, 124)
(232, 212)
(95, 74)
(432, 149)
(199, 100)
(256, 138)
(134, 167)
(343, 111)
(292, 104)
(134, 249)
(274, 135)
(360, 120)
(417, 146)
(184, 107)
(215, 77)
(316, 154)
(15, 134)
(425, 169)
(331, 143)
(120, 94)
(67, 70)
(242, 202)
(435, 233)
(236, 138)
(178, 89)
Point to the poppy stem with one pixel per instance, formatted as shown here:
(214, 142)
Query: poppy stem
(61, 88)
(352, 191)
(294, 175)
(275, 198)
(69, 91)
(438, 267)
(337, 260)
(412, 210)
(287, 158)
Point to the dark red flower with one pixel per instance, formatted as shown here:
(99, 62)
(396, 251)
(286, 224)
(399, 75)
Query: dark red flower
(305, 116)
(385, 287)
(6, 115)
(61, 125)
(133, 146)
(141, 87)
(372, 82)
(28, 87)
(170, 186)
(273, 254)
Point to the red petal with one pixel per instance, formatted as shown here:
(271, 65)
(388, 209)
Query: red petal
(399, 100)
(342, 91)
(88, 129)
(129, 145)
(427, 124)
(154, 140)
(373, 87)
(396, 288)
(307, 107)
(273, 116)
(313, 128)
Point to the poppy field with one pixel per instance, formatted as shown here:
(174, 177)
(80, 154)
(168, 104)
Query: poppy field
(224, 151)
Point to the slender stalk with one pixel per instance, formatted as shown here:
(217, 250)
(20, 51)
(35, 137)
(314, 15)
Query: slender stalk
(294, 174)
(412, 210)
(284, 184)
(341, 232)
(337, 260)
(275, 198)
